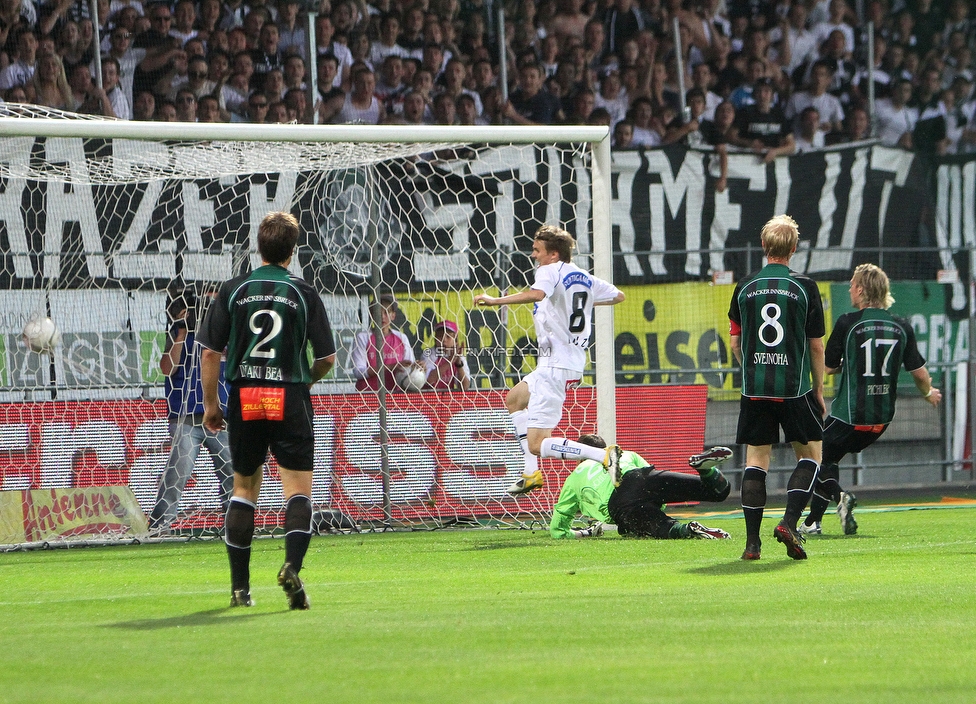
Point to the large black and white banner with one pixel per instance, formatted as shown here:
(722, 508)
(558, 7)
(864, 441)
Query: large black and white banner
(848, 203)
(467, 221)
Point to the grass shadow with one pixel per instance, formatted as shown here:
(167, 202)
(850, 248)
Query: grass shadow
(210, 617)
(501, 546)
(742, 567)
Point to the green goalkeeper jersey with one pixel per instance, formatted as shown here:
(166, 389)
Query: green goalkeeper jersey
(587, 490)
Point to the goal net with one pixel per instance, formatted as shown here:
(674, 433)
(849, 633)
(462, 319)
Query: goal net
(120, 231)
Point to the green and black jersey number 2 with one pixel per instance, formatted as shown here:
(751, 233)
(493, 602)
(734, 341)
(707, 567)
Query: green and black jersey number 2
(771, 332)
(878, 342)
(264, 348)
(577, 319)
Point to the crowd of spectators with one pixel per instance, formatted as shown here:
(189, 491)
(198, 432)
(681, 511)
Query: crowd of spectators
(776, 76)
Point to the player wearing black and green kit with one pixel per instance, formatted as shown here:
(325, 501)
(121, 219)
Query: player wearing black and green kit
(777, 327)
(868, 348)
(636, 506)
(267, 321)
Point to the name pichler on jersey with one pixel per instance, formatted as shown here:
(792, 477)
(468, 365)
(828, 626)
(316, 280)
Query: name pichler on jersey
(770, 358)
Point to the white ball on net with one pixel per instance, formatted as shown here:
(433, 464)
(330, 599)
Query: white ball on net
(41, 334)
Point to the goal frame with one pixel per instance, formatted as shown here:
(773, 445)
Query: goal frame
(597, 136)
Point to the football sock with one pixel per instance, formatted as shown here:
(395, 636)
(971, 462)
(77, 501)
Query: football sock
(818, 506)
(238, 533)
(715, 483)
(298, 529)
(798, 490)
(563, 449)
(679, 531)
(828, 482)
(753, 501)
(520, 419)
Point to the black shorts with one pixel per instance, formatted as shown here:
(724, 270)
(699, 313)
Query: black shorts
(291, 439)
(841, 439)
(760, 420)
(636, 506)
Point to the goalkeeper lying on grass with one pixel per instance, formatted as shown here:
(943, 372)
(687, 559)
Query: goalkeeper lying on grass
(636, 505)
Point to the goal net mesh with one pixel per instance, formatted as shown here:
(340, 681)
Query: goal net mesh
(108, 237)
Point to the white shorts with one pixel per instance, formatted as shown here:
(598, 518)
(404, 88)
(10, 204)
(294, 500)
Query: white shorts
(547, 394)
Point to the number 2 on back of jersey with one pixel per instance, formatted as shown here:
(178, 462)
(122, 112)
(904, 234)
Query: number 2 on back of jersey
(263, 348)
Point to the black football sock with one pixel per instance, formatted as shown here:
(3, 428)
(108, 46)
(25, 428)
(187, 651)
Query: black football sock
(798, 490)
(753, 501)
(818, 506)
(679, 531)
(298, 529)
(829, 478)
(238, 534)
(716, 484)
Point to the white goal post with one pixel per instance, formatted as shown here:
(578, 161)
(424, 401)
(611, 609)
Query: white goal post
(52, 259)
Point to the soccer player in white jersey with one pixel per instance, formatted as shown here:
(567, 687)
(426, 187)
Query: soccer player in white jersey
(563, 296)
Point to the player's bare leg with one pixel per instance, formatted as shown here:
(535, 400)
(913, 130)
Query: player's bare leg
(516, 401)
(538, 442)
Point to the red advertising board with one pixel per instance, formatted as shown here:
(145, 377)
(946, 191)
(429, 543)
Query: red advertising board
(449, 454)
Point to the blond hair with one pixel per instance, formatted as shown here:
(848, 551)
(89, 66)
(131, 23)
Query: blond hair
(875, 286)
(780, 236)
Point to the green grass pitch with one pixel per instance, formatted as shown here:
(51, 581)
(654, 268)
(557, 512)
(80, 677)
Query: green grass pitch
(886, 616)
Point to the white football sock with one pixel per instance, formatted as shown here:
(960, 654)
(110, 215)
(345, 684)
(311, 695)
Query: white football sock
(520, 419)
(563, 449)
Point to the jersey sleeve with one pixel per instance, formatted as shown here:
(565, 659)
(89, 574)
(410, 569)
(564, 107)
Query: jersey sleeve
(564, 511)
(319, 329)
(603, 291)
(735, 315)
(631, 460)
(214, 332)
(546, 278)
(912, 359)
(815, 326)
(834, 351)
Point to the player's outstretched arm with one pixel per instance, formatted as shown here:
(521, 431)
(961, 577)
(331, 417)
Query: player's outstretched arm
(532, 295)
(619, 298)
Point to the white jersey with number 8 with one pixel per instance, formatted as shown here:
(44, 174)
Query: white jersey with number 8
(563, 319)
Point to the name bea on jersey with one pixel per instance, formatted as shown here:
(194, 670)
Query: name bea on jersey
(252, 371)
(777, 358)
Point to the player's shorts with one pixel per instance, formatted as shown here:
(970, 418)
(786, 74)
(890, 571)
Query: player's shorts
(290, 439)
(760, 420)
(635, 507)
(547, 394)
(841, 439)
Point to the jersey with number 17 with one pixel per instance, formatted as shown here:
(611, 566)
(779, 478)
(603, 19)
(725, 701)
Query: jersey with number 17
(775, 312)
(564, 318)
(870, 346)
(267, 320)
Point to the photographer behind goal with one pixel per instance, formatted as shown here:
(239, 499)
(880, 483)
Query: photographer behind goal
(180, 364)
